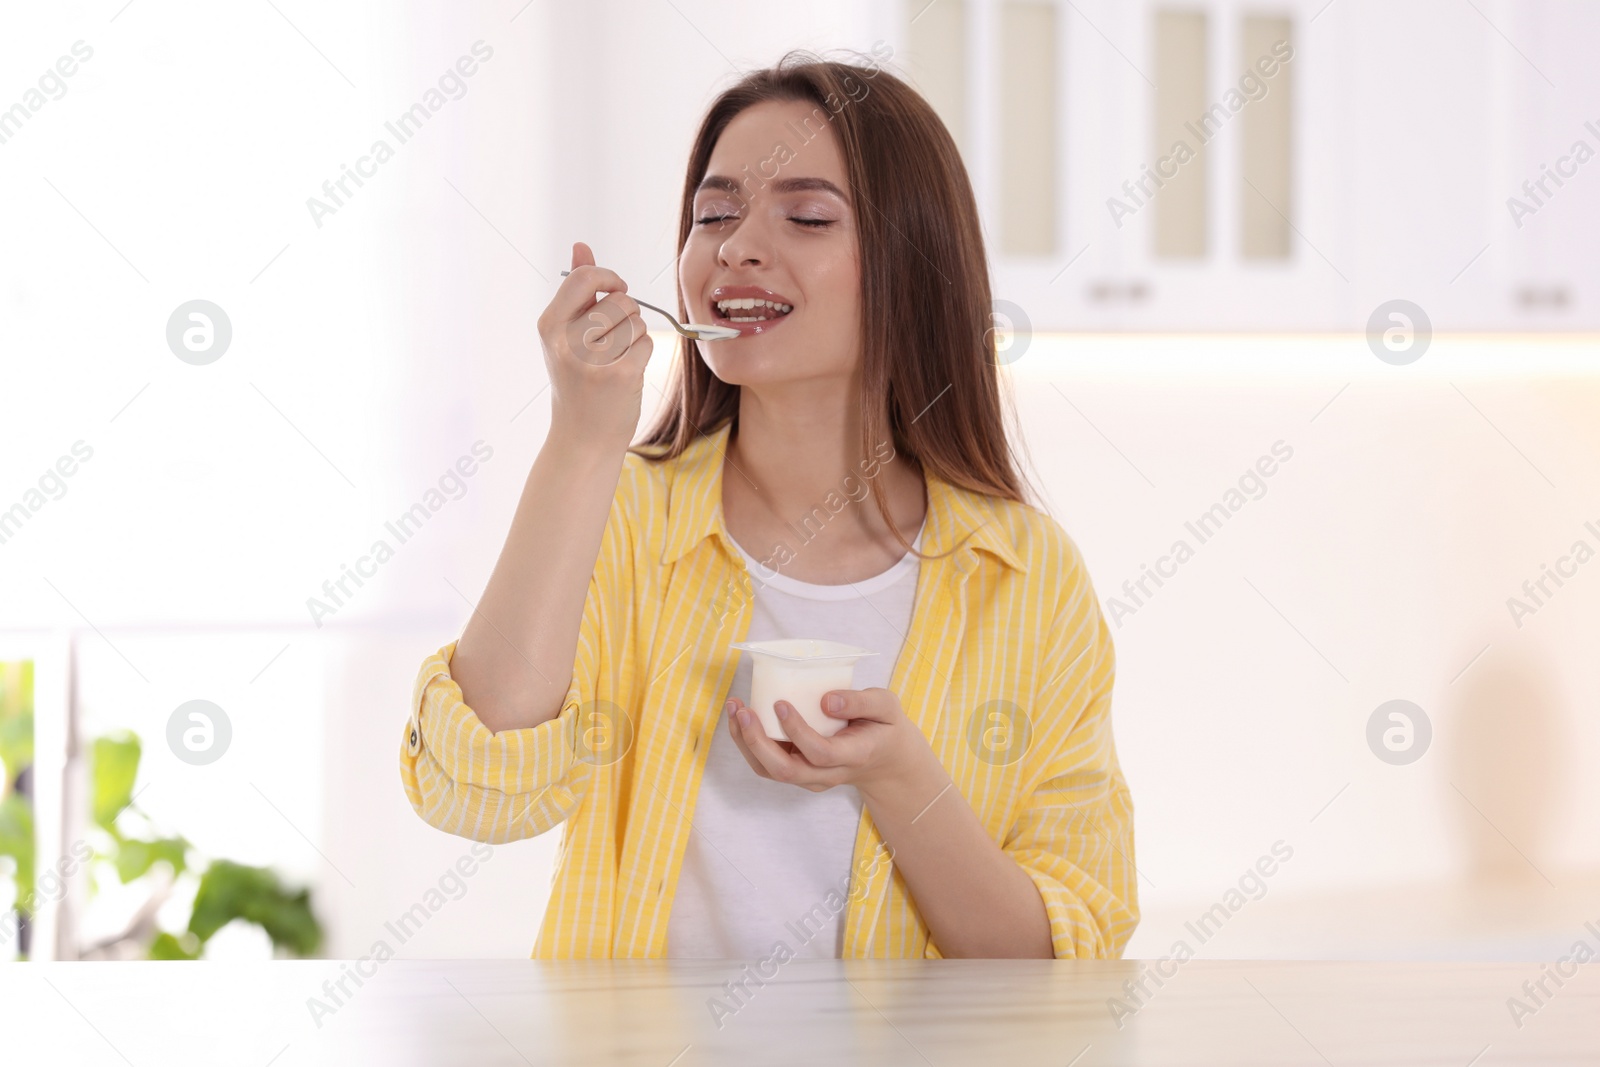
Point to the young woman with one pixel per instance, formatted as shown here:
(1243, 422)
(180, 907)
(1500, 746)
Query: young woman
(973, 804)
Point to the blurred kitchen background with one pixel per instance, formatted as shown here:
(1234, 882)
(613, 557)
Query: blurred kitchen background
(1378, 259)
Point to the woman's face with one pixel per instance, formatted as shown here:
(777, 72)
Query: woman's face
(774, 223)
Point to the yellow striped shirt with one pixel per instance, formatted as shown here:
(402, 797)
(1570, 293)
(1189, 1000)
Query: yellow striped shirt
(1007, 669)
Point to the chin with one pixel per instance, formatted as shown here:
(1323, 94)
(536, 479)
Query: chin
(746, 357)
(741, 370)
(771, 360)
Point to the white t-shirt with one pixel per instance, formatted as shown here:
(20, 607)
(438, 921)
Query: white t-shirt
(762, 855)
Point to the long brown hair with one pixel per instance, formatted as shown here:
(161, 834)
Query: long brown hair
(927, 327)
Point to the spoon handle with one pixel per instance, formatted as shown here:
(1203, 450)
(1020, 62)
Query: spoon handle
(676, 325)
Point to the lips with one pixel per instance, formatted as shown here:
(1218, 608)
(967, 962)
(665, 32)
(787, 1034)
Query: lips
(761, 317)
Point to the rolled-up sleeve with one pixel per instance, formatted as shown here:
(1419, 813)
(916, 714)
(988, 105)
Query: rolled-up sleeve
(487, 786)
(1074, 833)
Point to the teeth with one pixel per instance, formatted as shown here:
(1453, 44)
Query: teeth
(747, 302)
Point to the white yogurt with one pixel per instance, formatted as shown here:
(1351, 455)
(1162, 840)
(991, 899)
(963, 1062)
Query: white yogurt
(799, 670)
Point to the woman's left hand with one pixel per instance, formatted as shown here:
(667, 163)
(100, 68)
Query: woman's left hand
(879, 745)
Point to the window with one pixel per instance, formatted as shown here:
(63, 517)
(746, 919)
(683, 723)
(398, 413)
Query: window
(1029, 179)
(1180, 128)
(1266, 185)
(939, 57)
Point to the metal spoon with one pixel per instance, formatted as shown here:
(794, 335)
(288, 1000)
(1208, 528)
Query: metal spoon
(694, 331)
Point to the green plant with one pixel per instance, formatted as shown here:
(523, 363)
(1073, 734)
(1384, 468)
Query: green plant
(16, 805)
(227, 890)
(134, 848)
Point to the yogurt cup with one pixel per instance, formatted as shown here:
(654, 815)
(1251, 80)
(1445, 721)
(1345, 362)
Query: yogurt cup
(799, 670)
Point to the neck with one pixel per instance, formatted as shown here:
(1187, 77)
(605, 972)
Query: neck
(795, 457)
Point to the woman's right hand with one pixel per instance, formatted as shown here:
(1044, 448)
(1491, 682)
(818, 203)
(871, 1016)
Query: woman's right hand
(595, 354)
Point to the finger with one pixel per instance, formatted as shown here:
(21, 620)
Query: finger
(605, 328)
(579, 288)
(737, 733)
(812, 745)
(618, 307)
(877, 704)
(639, 351)
(601, 336)
(583, 265)
(755, 726)
(780, 766)
(609, 312)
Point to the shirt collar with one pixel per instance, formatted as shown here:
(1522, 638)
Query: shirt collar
(694, 509)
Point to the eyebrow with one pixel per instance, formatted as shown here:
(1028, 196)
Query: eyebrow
(780, 185)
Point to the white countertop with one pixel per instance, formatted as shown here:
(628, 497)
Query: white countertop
(659, 1013)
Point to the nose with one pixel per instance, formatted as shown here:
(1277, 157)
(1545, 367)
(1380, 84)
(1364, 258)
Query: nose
(746, 246)
(735, 253)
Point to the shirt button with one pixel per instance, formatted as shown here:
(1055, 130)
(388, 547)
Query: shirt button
(413, 738)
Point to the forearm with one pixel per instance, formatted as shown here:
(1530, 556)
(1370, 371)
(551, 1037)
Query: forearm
(977, 901)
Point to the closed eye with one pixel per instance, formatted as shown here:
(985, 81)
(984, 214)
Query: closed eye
(709, 219)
